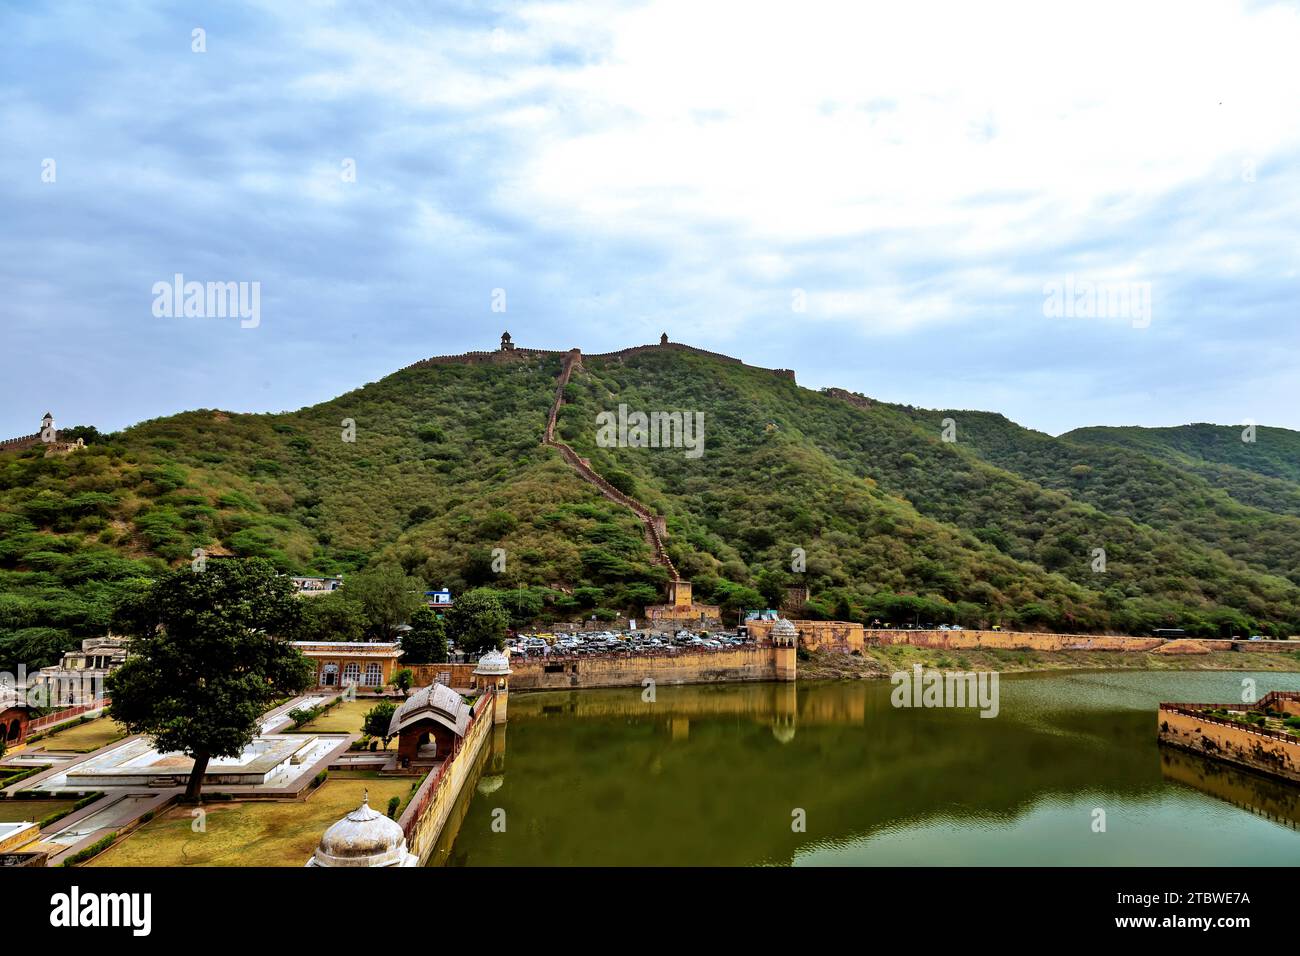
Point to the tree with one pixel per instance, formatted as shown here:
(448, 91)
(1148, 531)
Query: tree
(426, 641)
(377, 720)
(403, 680)
(772, 584)
(623, 481)
(205, 661)
(388, 597)
(87, 433)
(332, 617)
(477, 622)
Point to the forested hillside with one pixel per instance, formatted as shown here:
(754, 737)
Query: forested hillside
(434, 467)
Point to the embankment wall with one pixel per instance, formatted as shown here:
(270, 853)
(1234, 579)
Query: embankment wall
(1262, 751)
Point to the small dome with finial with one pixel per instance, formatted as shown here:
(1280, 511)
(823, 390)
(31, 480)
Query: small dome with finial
(493, 664)
(365, 837)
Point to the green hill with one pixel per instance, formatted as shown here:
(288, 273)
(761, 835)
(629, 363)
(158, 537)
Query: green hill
(447, 465)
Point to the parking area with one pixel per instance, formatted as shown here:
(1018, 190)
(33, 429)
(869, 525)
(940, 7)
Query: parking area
(544, 645)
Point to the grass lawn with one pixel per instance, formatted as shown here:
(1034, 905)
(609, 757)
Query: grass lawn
(12, 811)
(83, 738)
(254, 833)
(344, 718)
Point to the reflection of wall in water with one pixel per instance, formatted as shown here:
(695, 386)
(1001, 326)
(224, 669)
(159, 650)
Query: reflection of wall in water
(1260, 795)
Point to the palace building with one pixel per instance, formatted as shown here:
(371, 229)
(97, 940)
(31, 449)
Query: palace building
(340, 663)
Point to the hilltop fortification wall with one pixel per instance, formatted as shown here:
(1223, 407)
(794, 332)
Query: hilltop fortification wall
(518, 354)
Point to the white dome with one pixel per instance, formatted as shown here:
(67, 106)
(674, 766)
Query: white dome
(365, 837)
(493, 664)
(784, 630)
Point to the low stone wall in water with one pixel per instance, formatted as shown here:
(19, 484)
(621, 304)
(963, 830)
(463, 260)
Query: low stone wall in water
(433, 803)
(1262, 751)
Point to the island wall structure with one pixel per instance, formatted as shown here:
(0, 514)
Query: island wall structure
(433, 804)
(705, 666)
(1188, 727)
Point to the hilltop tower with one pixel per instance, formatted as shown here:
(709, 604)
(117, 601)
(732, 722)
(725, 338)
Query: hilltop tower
(506, 344)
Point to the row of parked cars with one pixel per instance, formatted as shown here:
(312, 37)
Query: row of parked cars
(607, 642)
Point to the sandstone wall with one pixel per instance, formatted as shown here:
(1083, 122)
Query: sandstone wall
(1232, 742)
(619, 670)
(433, 803)
(842, 636)
(1011, 640)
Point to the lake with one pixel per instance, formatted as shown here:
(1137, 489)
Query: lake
(724, 774)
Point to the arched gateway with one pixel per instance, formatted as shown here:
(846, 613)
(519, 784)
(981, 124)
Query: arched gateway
(429, 723)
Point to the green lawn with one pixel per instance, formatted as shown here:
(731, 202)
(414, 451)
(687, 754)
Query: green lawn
(254, 833)
(344, 718)
(12, 811)
(83, 738)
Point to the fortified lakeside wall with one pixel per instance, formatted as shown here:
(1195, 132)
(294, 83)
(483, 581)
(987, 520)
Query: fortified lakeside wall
(1263, 751)
(1011, 640)
(432, 806)
(758, 663)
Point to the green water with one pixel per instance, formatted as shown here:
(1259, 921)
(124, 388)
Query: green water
(715, 775)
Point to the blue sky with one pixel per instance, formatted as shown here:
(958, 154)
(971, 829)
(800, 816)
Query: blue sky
(916, 175)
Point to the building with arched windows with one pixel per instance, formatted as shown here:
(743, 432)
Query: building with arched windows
(343, 663)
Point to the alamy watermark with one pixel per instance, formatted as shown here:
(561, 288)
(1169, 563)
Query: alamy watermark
(63, 689)
(1077, 298)
(935, 688)
(653, 430)
(208, 300)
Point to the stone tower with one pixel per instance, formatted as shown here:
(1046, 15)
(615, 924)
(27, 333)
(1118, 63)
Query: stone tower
(785, 642)
(495, 667)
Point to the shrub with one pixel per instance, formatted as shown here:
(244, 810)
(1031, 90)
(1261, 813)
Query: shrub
(393, 804)
(96, 848)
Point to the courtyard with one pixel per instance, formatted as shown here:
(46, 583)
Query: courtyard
(254, 833)
(82, 738)
(343, 718)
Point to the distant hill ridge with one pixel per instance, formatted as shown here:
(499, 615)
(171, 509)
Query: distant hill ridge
(510, 352)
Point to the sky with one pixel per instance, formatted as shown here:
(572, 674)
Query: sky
(890, 198)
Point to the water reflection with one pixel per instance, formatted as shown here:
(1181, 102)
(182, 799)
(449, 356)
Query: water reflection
(712, 775)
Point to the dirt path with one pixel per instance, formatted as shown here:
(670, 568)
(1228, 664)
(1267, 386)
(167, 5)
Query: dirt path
(651, 522)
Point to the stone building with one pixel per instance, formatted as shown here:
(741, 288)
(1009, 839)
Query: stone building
(429, 724)
(313, 587)
(493, 673)
(47, 435)
(79, 677)
(13, 720)
(681, 611)
(361, 664)
(841, 636)
(365, 837)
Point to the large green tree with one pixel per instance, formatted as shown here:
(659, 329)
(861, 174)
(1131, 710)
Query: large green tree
(477, 622)
(332, 617)
(426, 641)
(205, 661)
(388, 597)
